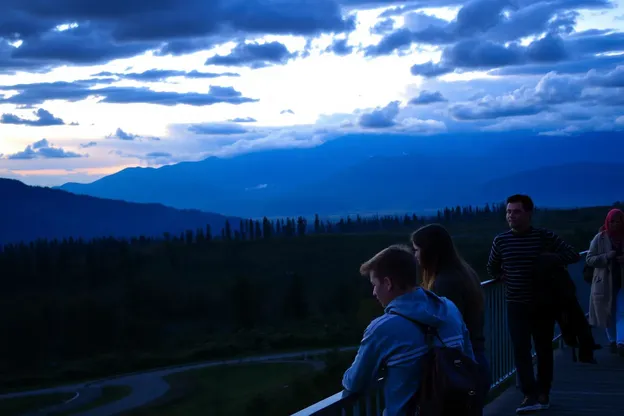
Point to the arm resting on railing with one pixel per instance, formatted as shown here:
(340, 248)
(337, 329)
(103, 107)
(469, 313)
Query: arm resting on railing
(365, 368)
(565, 253)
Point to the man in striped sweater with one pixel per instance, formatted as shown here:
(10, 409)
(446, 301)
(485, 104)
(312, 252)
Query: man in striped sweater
(512, 260)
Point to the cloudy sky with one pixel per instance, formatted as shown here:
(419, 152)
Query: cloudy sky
(89, 87)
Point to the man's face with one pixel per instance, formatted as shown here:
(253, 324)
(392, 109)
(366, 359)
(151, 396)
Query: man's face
(382, 289)
(517, 217)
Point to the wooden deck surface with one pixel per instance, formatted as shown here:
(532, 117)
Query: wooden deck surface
(578, 389)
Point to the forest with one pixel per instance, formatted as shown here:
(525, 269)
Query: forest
(76, 309)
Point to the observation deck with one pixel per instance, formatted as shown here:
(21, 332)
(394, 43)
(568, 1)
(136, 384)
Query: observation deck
(578, 389)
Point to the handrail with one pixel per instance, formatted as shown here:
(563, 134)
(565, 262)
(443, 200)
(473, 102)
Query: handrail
(499, 355)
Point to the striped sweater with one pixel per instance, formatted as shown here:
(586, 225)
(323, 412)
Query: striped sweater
(512, 256)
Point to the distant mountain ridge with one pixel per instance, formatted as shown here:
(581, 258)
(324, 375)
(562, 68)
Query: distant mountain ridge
(28, 213)
(370, 173)
(572, 184)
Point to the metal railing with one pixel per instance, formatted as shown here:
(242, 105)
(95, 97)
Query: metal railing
(498, 350)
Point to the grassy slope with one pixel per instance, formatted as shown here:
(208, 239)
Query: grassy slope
(227, 390)
(20, 405)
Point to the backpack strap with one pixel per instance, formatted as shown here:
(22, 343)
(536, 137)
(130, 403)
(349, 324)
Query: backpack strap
(429, 331)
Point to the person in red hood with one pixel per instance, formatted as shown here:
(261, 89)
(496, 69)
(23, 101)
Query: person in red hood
(606, 302)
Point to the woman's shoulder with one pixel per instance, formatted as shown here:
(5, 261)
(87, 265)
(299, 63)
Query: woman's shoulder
(448, 281)
(600, 235)
(599, 242)
(445, 276)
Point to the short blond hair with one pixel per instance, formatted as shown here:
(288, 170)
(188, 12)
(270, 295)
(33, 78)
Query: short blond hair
(397, 263)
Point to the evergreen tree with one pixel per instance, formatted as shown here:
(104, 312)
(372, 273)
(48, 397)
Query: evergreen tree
(302, 225)
(228, 230)
(258, 230)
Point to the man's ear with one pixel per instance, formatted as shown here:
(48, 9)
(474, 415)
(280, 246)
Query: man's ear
(387, 283)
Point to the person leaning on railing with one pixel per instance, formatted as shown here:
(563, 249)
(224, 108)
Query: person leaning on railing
(512, 258)
(393, 342)
(444, 272)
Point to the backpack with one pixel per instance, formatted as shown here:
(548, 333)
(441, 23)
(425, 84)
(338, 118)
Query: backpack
(450, 384)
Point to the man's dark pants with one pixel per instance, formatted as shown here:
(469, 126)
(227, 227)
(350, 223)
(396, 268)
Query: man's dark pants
(526, 321)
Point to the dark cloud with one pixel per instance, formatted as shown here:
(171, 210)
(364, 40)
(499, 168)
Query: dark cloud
(474, 53)
(288, 111)
(86, 44)
(494, 20)
(478, 16)
(410, 4)
(38, 93)
(167, 19)
(542, 53)
(383, 27)
(567, 67)
(594, 41)
(612, 79)
(122, 135)
(43, 150)
(122, 28)
(430, 69)
(156, 75)
(491, 108)
(243, 120)
(186, 46)
(217, 128)
(550, 48)
(125, 136)
(94, 34)
(380, 118)
(254, 55)
(87, 145)
(402, 39)
(428, 97)
(44, 118)
(398, 40)
(593, 90)
(340, 47)
(9, 65)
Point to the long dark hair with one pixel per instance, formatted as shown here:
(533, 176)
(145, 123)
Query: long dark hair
(438, 254)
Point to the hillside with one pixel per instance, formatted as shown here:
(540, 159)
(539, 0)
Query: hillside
(28, 213)
(572, 184)
(364, 173)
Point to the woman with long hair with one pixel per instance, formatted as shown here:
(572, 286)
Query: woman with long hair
(606, 302)
(446, 273)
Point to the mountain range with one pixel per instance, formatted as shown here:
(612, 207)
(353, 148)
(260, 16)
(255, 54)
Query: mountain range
(378, 173)
(28, 213)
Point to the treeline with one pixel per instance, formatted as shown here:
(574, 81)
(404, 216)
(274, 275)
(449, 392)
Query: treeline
(81, 309)
(290, 227)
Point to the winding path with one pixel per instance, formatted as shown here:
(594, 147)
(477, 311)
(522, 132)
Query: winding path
(149, 385)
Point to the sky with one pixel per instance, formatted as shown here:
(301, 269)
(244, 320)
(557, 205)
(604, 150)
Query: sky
(88, 88)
